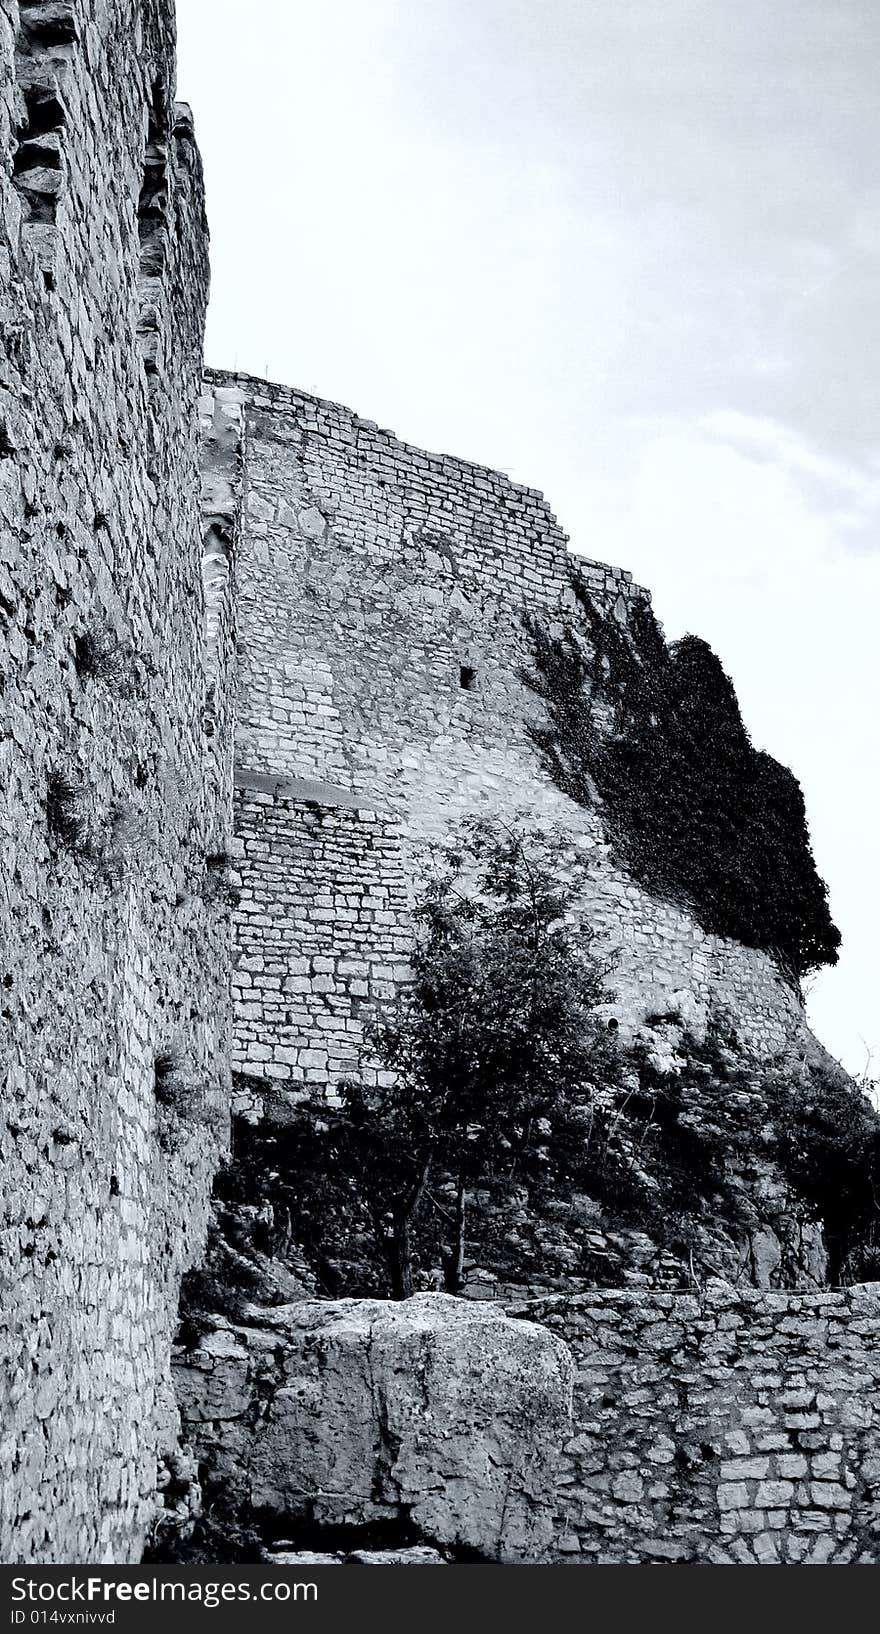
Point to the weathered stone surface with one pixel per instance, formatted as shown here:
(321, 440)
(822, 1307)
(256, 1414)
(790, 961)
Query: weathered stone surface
(444, 1413)
(380, 613)
(112, 949)
(720, 1428)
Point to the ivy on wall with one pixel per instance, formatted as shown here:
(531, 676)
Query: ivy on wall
(695, 813)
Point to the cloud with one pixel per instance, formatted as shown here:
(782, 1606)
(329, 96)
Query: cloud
(758, 483)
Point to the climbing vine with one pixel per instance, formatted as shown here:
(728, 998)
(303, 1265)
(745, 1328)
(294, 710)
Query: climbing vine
(695, 812)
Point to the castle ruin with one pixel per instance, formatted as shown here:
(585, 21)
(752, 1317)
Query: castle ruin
(244, 631)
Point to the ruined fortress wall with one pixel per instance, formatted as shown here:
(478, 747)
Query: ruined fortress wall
(324, 918)
(221, 413)
(734, 1428)
(371, 575)
(112, 950)
(379, 606)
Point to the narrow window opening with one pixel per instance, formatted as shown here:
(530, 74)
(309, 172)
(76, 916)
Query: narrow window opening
(467, 677)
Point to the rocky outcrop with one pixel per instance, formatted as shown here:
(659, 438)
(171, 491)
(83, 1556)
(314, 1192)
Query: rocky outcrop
(439, 1416)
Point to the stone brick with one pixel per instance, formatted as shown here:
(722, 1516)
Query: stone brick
(749, 1508)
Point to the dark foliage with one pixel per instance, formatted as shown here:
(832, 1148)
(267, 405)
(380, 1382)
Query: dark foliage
(493, 1047)
(505, 1123)
(482, 1076)
(218, 882)
(297, 1188)
(681, 1157)
(827, 1143)
(183, 1102)
(696, 813)
(170, 1080)
(682, 1150)
(106, 842)
(223, 1538)
(99, 655)
(223, 1283)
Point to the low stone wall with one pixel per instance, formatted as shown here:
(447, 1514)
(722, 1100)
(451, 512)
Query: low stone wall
(734, 1428)
(428, 1417)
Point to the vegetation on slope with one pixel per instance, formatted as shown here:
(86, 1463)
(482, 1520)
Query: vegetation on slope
(499, 1129)
(696, 813)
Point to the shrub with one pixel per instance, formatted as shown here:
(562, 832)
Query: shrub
(493, 1048)
(107, 840)
(220, 883)
(695, 813)
(99, 655)
(827, 1143)
(69, 813)
(182, 1099)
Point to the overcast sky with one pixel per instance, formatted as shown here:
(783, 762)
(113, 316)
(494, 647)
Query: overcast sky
(627, 251)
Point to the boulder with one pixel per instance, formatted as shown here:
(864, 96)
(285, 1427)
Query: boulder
(440, 1415)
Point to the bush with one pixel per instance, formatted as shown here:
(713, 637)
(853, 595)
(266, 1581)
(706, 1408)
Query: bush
(99, 655)
(827, 1143)
(182, 1099)
(490, 1054)
(294, 1191)
(105, 840)
(220, 881)
(69, 813)
(690, 1160)
(695, 813)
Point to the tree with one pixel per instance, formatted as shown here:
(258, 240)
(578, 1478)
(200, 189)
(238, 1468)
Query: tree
(495, 1045)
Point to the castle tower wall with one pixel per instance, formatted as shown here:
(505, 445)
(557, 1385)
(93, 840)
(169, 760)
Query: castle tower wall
(381, 647)
(113, 946)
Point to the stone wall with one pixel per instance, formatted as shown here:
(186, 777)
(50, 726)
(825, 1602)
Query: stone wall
(729, 1427)
(220, 420)
(323, 928)
(370, 596)
(379, 606)
(735, 1427)
(379, 603)
(114, 945)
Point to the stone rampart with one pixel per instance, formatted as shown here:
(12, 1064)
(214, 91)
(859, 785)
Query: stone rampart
(380, 601)
(730, 1428)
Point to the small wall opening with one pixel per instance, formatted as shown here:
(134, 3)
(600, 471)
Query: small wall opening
(467, 677)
